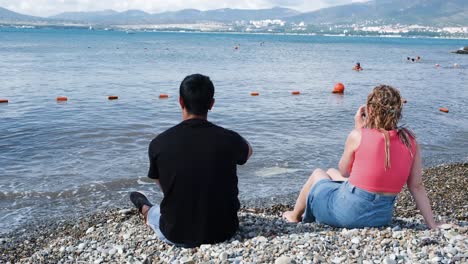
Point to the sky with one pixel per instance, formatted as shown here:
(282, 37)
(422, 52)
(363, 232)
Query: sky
(52, 7)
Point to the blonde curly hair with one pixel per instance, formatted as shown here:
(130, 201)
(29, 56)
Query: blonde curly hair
(385, 107)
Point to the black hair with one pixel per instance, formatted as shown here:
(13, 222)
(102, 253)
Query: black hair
(197, 93)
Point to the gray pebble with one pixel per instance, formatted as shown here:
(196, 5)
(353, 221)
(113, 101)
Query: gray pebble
(338, 260)
(205, 246)
(90, 230)
(284, 260)
(223, 256)
(81, 246)
(356, 240)
(389, 260)
(125, 211)
(186, 260)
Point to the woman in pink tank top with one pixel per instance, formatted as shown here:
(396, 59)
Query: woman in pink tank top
(378, 160)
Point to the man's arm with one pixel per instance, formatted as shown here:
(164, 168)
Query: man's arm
(153, 172)
(158, 184)
(242, 149)
(250, 150)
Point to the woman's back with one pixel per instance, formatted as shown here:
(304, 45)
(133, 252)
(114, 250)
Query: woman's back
(369, 171)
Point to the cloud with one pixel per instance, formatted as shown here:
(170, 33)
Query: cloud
(51, 7)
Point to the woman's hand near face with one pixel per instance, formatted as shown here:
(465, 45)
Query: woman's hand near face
(360, 117)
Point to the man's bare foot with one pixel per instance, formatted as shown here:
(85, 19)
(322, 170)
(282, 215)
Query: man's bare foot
(141, 202)
(291, 217)
(144, 211)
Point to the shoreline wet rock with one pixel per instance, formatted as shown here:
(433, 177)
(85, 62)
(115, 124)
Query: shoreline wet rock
(461, 51)
(119, 236)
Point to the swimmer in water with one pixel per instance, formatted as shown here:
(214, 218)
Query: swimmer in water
(357, 67)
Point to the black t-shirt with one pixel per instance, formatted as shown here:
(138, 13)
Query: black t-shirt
(196, 164)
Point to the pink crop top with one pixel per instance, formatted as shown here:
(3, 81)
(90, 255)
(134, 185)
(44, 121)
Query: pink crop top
(368, 168)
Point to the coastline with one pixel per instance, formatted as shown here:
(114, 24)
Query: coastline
(317, 34)
(118, 235)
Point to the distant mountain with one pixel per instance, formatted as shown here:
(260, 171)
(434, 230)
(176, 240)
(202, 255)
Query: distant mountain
(426, 12)
(107, 17)
(83, 16)
(423, 12)
(10, 16)
(183, 16)
(228, 14)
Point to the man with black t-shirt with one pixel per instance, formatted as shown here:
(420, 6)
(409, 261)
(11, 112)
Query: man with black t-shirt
(195, 165)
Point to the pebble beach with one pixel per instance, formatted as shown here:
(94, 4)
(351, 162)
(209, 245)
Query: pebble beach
(119, 236)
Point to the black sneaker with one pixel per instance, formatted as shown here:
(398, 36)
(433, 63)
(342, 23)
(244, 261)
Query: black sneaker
(138, 199)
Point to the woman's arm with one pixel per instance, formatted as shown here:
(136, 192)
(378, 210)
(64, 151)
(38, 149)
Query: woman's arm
(352, 143)
(347, 159)
(416, 187)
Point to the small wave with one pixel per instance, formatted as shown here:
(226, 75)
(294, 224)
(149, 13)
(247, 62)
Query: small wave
(95, 187)
(145, 181)
(273, 171)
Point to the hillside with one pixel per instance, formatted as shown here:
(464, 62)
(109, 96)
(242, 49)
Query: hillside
(226, 15)
(377, 12)
(10, 16)
(107, 17)
(425, 12)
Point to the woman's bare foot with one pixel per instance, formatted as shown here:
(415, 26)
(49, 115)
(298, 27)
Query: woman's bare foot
(291, 217)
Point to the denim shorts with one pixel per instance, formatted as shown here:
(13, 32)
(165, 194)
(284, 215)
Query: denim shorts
(154, 214)
(341, 204)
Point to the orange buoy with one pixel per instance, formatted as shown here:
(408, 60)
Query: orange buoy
(296, 93)
(163, 96)
(443, 109)
(62, 99)
(254, 93)
(339, 88)
(3, 101)
(113, 97)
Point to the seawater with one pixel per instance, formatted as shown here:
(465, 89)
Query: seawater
(66, 159)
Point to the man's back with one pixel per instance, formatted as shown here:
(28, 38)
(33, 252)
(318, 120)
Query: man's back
(195, 163)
